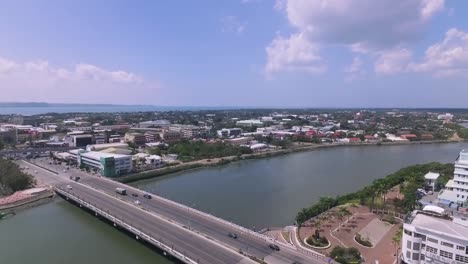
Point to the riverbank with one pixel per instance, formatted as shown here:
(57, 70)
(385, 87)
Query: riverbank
(26, 199)
(298, 147)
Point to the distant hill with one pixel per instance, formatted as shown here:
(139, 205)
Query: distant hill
(31, 104)
(41, 104)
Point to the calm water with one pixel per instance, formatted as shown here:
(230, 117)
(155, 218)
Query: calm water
(58, 233)
(258, 193)
(269, 192)
(98, 109)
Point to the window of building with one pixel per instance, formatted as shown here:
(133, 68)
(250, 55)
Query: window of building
(422, 257)
(423, 237)
(408, 244)
(416, 246)
(460, 247)
(461, 258)
(431, 249)
(432, 240)
(415, 256)
(408, 254)
(446, 254)
(446, 244)
(408, 232)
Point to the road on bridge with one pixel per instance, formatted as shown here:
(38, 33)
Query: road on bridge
(197, 222)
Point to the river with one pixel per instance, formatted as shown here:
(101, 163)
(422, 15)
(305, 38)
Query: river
(253, 193)
(269, 192)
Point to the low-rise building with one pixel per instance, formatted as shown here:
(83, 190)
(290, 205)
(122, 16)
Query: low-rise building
(155, 123)
(189, 131)
(239, 141)
(79, 140)
(249, 123)
(171, 136)
(430, 180)
(152, 136)
(430, 236)
(135, 138)
(107, 164)
(229, 132)
(99, 147)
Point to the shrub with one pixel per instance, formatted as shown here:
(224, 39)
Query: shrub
(362, 241)
(317, 242)
(345, 255)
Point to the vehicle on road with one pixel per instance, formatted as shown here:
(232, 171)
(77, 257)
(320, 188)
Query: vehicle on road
(134, 195)
(137, 202)
(274, 247)
(232, 235)
(69, 187)
(121, 191)
(147, 196)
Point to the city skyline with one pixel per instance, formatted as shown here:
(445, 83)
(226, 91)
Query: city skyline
(254, 53)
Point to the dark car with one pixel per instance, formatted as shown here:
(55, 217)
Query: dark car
(232, 235)
(134, 195)
(274, 247)
(147, 196)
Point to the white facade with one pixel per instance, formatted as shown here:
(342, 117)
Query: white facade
(123, 163)
(431, 179)
(249, 123)
(431, 238)
(456, 190)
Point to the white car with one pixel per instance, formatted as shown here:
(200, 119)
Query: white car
(137, 202)
(69, 187)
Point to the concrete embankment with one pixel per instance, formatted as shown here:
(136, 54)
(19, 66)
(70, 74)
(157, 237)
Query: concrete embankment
(29, 201)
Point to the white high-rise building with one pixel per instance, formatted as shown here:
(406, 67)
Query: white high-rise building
(456, 190)
(429, 236)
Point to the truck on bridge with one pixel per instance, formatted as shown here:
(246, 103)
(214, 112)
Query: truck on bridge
(121, 191)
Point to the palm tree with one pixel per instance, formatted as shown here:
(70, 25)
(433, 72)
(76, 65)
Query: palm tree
(317, 225)
(345, 212)
(396, 240)
(340, 216)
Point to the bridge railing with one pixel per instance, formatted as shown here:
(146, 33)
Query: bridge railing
(227, 223)
(140, 234)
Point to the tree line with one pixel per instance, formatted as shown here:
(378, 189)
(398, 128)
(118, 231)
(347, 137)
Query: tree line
(195, 150)
(12, 179)
(409, 179)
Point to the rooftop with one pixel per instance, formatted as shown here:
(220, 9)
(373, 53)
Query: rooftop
(99, 155)
(445, 226)
(431, 176)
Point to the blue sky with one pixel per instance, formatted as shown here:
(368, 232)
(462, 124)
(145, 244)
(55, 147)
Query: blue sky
(282, 53)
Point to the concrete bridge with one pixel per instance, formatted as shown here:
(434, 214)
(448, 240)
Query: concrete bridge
(187, 234)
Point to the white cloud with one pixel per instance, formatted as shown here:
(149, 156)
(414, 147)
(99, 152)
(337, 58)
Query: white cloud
(10, 68)
(232, 24)
(295, 53)
(38, 80)
(374, 28)
(355, 71)
(382, 23)
(393, 61)
(430, 7)
(446, 58)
